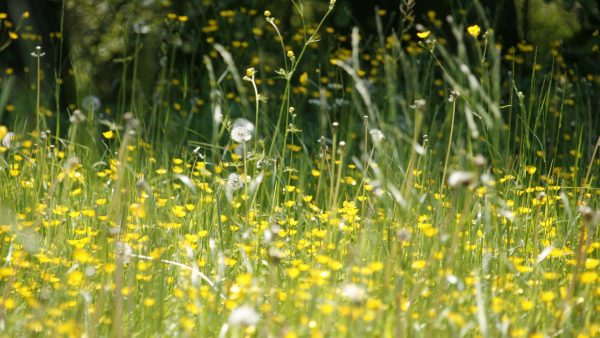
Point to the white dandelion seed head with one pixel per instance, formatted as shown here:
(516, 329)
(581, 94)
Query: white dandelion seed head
(77, 117)
(242, 122)
(354, 292)
(376, 135)
(91, 103)
(243, 316)
(124, 252)
(242, 130)
(234, 182)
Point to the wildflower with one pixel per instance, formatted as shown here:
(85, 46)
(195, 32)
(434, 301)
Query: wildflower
(589, 277)
(547, 296)
(108, 134)
(419, 104)
(474, 31)
(267, 14)
(376, 135)
(240, 134)
(461, 178)
(423, 35)
(354, 293)
(91, 103)
(38, 52)
(250, 72)
(243, 316)
(77, 117)
(234, 181)
(123, 252)
(453, 95)
(290, 54)
(527, 305)
(242, 130)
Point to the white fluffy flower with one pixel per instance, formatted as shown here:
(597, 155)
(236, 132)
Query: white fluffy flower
(376, 135)
(240, 134)
(242, 122)
(234, 182)
(243, 316)
(353, 292)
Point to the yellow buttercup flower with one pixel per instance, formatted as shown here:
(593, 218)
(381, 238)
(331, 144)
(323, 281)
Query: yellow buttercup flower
(108, 134)
(423, 35)
(474, 31)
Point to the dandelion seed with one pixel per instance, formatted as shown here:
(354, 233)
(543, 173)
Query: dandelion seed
(240, 134)
(376, 135)
(77, 117)
(241, 122)
(419, 104)
(141, 28)
(353, 292)
(479, 160)
(91, 103)
(453, 96)
(123, 252)
(244, 316)
(234, 181)
(461, 178)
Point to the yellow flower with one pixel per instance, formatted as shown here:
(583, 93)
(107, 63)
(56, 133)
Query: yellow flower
(527, 305)
(148, 302)
(423, 35)
(547, 296)
(474, 31)
(108, 134)
(588, 277)
(418, 265)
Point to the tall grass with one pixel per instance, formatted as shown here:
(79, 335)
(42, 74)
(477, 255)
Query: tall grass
(412, 185)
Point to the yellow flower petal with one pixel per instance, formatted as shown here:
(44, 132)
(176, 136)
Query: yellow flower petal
(423, 35)
(108, 134)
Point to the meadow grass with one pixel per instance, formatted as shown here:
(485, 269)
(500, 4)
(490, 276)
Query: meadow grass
(410, 187)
